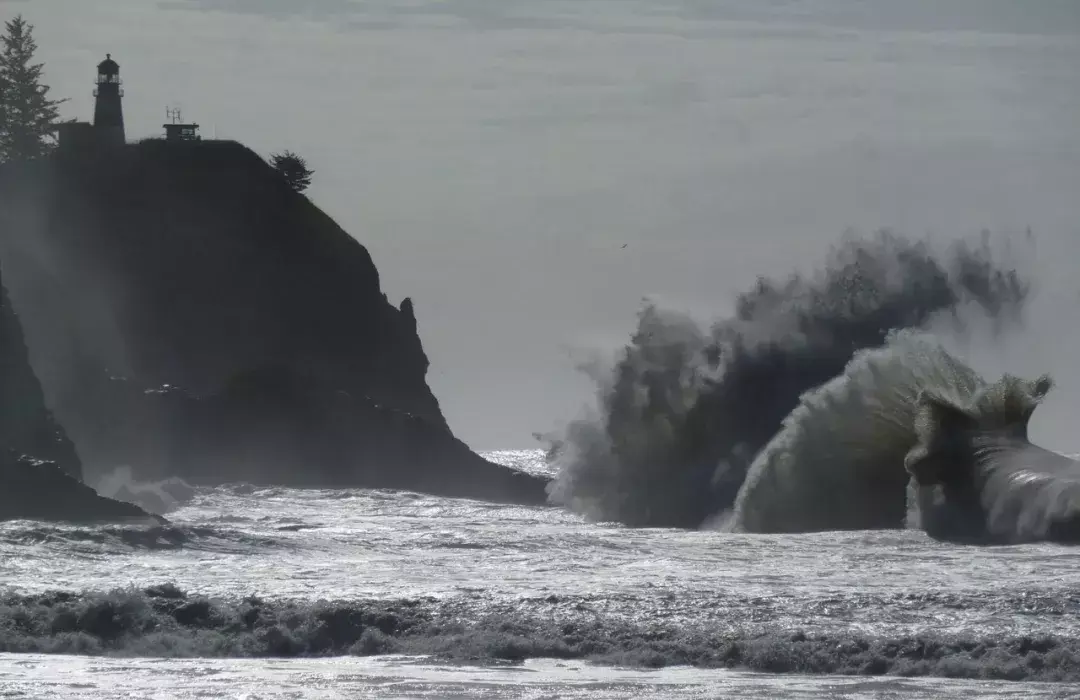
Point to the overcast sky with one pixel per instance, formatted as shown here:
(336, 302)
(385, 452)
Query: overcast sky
(496, 155)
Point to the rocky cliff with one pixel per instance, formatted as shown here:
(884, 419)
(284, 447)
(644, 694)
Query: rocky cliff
(39, 469)
(193, 265)
(34, 489)
(26, 425)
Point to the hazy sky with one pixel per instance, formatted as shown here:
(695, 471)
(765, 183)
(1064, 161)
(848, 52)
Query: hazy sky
(495, 155)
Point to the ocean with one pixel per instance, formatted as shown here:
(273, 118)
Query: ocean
(280, 593)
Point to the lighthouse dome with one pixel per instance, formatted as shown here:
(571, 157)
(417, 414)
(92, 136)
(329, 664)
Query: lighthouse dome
(108, 66)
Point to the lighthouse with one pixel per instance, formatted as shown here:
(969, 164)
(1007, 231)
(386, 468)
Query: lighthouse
(108, 112)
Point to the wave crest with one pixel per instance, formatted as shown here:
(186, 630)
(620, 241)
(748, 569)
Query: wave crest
(976, 476)
(838, 460)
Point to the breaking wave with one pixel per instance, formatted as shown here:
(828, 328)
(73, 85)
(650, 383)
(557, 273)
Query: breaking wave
(838, 460)
(844, 458)
(166, 621)
(685, 411)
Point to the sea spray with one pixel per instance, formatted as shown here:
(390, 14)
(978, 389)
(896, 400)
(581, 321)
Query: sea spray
(684, 411)
(158, 497)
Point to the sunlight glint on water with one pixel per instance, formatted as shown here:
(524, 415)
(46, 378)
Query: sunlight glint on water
(285, 544)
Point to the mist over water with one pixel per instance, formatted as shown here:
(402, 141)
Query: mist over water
(685, 409)
(157, 497)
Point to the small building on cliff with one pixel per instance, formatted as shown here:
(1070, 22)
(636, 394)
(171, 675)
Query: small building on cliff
(178, 130)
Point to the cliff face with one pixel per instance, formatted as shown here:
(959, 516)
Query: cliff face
(190, 262)
(39, 469)
(278, 426)
(193, 265)
(27, 427)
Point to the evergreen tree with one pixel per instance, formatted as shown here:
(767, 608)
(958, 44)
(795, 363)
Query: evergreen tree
(27, 116)
(294, 169)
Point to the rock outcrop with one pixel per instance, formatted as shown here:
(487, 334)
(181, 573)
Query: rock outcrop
(39, 470)
(194, 265)
(33, 489)
(26, 425)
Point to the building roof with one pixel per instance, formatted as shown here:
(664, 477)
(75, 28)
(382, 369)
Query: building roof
(108, 66)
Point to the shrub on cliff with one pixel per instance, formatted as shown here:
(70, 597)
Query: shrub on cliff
(294, 169)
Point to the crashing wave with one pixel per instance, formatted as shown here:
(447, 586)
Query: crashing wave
(685, 411)
(909, 433)
(838, 461)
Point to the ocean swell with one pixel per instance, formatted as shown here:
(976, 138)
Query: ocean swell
(685, 411)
